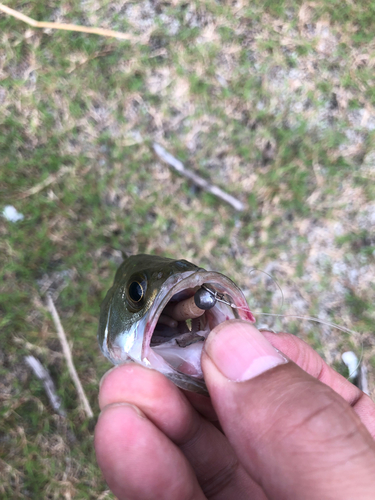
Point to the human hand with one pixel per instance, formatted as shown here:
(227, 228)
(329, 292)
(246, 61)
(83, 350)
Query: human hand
(287, 429)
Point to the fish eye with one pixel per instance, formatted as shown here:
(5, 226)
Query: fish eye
(136, 290)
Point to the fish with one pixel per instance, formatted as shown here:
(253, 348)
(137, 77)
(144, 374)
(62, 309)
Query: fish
(159, 311)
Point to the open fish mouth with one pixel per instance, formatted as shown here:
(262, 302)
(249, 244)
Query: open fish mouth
(159, 312)
(173, 341)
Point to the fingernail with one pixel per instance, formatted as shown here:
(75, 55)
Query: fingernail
(127, 405)
(240, 351)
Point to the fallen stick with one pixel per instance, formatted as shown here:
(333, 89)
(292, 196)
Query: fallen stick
(199, 181)
(64, 26)
(47, 181)
(362, 380)
(68, 356)
(49, 386)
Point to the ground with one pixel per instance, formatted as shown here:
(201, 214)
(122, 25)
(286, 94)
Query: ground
(271, 101)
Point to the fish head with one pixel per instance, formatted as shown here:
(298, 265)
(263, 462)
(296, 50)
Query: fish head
(130, 326)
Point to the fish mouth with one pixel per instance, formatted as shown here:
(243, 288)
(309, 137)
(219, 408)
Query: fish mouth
(174, 346)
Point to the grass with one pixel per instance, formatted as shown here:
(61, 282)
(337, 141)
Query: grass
(273, 102)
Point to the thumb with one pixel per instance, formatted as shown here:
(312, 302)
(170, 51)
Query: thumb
(294, 435)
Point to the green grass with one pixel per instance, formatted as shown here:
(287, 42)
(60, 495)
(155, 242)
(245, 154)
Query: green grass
(270, 108)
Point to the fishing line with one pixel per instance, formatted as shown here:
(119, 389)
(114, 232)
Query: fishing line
(220, 297)
(359, 362)
(326, 323)
(274, 280)
(309, 318)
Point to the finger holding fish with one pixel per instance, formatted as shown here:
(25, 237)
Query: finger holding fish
(294, 435)
(138, 461)
(309, 360)
(204, 446)
(124, 438)
(158, 313)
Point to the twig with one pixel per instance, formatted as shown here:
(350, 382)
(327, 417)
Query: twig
(362, 380)
(64, 26)
(68, 357)
(171, 161)
(100, 53)
(49, 386)
(47, 181)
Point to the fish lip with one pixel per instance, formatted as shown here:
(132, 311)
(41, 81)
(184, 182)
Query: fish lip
(190, 279)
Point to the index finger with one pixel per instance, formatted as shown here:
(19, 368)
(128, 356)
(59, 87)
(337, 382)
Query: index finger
(212, 458)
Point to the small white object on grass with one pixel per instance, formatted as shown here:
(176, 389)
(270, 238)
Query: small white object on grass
(351, 361)
(11, 214)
